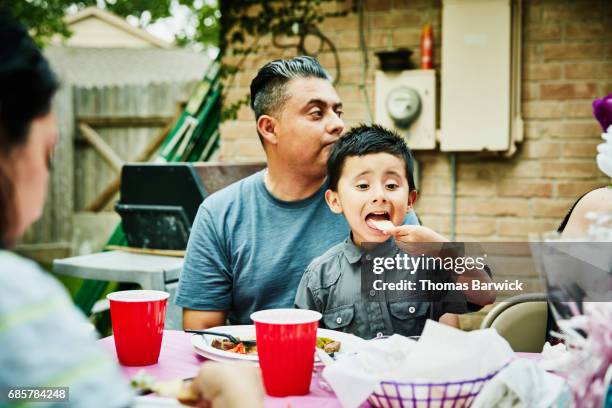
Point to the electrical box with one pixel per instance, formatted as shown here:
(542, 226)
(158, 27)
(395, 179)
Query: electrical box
(406, 102)
(477, 75)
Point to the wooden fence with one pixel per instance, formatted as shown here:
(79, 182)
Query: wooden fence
(100, 128)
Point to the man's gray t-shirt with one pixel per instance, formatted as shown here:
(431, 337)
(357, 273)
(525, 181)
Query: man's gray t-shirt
(248, 250)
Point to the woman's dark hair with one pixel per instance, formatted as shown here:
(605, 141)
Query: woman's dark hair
(367, 139)
(27, 85)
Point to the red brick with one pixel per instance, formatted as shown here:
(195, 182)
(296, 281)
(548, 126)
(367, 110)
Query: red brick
(568, 91)
(579, 110)
(532, 13)
(574, 170)
(552, 208)
(235, 95)
(244, 78)
(416, 4)
(588, 70)
(479, 168)
(568, 51)
(439, 223)
(227, 150)
(476, 226)
(406, 37)
(345, 39)
(493, 206)
(396, 19)
(531, 53)
(586, 31)
(580, 149)
(522, 169)
(581, 130)
(333, 23)
(251, 149)
(575, 189)
(435, 185)
(434, 5)
(543, 32)
(232, 129)
(433, 205)
(516, 227)
(545, 71)
(543, 110)
(349, 93)
(355, 111)
(378, 5)
(541, 149)
(530, 91)
(347, 59)
(246, 114)
(579, 11)
(521, 188)
(256, 61)
(352, 75)
(438, 167)
(478, 187)
(379, 39)
(532, 129)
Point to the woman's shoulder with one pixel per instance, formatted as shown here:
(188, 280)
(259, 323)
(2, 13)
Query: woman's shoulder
(23, 281)
(598, 200)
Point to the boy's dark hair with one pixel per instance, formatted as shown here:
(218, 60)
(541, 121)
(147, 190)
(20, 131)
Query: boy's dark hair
(367, 139)
(269, 87)
(27, 85)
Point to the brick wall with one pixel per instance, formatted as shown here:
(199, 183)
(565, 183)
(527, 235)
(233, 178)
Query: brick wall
(567, 61)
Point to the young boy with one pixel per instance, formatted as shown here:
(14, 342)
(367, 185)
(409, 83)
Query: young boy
(371, 184)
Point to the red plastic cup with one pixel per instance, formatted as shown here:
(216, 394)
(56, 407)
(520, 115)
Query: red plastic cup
(286, 341)
(138, 325)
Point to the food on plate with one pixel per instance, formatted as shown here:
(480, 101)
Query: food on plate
(330, 346)
(226, 345)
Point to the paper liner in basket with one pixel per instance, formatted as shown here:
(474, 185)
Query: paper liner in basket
(442, 354)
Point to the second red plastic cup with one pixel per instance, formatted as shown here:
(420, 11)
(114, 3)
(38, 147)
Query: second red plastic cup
(138, 325)
(286, 341)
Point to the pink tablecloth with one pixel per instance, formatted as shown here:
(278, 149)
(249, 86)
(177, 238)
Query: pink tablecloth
(179, 360)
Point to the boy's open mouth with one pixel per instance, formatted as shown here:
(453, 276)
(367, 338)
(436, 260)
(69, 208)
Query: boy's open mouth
(377, 216)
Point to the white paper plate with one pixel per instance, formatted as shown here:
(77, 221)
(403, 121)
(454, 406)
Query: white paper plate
(202, 344)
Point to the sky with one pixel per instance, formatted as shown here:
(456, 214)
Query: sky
(182, 19)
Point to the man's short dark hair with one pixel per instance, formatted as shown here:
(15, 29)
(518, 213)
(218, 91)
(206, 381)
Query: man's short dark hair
(368, 139)
(268, 88)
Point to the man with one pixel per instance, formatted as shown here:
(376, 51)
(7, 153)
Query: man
(251, 242)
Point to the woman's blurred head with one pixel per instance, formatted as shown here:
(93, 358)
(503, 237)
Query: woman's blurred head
(28, 131)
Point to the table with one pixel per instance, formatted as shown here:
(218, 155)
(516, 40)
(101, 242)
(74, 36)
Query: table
(149, 271)
(178, 359)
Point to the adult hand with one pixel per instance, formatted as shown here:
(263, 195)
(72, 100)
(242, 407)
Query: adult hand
(220, 385)
(416, 239)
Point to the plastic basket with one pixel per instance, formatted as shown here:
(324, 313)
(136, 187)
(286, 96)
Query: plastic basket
(392, 394)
